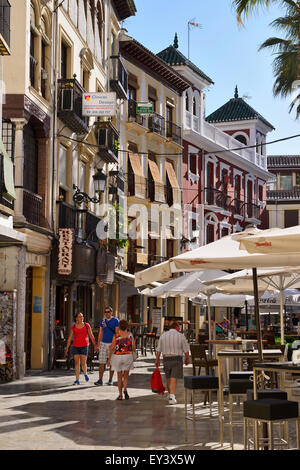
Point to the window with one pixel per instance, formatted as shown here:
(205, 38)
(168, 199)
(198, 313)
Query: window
(241, 138)
(63, 166)
(8, 137)
(64, 61)
(30, 159)
(194, 106)
(237, 187)
(291, 218)
(99, 31)
(286, 181)
(193, 163)
(187, 103)
(82, 176)
(297, 178)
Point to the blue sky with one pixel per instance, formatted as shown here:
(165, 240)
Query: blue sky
(227, 53)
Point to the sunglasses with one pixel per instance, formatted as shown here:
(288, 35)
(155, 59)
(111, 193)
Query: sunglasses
(106, 311)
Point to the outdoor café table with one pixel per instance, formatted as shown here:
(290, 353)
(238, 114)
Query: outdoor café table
(279, 367)
(237, 354)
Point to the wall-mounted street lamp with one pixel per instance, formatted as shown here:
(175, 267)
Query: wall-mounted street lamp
(99, 185)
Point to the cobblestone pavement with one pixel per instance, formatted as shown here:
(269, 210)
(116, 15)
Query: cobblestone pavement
(44, 411)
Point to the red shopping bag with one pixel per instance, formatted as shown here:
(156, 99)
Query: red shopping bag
(156, 383)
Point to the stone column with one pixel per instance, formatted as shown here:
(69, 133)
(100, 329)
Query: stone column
(19, 167)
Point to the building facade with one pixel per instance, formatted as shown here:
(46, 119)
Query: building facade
(152, 160)
(283, 191)
(60, 50)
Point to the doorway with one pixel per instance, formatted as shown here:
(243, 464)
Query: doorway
(28, 317)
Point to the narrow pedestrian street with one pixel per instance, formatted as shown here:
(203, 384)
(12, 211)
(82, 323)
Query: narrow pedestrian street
(45, 411)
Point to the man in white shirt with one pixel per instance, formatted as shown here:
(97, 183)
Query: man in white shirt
(172, 345)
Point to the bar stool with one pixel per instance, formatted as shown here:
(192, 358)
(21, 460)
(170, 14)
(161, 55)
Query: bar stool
(268, 393)
(238, 387)
(205, 383)
(269, 411)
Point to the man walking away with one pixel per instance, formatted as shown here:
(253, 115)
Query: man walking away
(172, 345)
(108, 328)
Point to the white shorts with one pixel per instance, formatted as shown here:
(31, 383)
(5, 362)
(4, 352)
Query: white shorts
(104, 352)
(121, 362)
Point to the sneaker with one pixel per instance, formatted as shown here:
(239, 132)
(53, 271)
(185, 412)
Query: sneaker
(172, 400)
(76, 382)
(110, 382)
(86, 377)
(99, 382)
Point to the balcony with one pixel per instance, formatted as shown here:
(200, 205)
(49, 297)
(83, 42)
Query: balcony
(283, 195)
(119, 78)
(215, 197)
(155, 259)
(32, 205)
(238, 207)
(108, 142)
(70, 105)
(156, 123)
(173, 132)
(4, 27)
(83, 222)
(133, 116)
(252, 211)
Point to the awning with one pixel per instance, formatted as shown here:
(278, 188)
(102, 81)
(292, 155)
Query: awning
(159, 195)
(131, 277)
(139, 178)
(8, 172)
(174, 183)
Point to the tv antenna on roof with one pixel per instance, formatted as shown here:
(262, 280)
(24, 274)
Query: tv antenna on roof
(192, 23)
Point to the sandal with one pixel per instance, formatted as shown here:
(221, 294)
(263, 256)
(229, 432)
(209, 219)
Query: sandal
(119, 398)
(126, 395)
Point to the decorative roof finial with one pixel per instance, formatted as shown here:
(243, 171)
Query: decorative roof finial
(236, 92)
(175, 44)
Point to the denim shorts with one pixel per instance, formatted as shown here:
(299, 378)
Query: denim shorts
(81, 351)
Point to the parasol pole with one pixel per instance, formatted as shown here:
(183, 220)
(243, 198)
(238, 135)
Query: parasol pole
(257, 318)
(281, 310)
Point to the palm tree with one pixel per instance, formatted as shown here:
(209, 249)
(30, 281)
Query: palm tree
(286, 65)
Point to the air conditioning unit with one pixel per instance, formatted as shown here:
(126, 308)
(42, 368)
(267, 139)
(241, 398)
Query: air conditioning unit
(66, 102)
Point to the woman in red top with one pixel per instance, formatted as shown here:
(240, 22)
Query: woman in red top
(81, 332)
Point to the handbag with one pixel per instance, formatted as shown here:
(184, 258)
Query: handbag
(135, 355)
(156, 383)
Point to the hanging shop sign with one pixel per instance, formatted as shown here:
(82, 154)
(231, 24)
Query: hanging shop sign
(99, 104)
(144, 107)
(65, 251)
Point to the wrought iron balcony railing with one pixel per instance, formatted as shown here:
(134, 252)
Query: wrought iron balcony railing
(32, 205)
(119, 77)
(70, 105)
(285, 195)
(132, 114)
(173, 132)
(108, 142)
(252, 211)
(238, 207)
(156, 123)
(215, 197)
